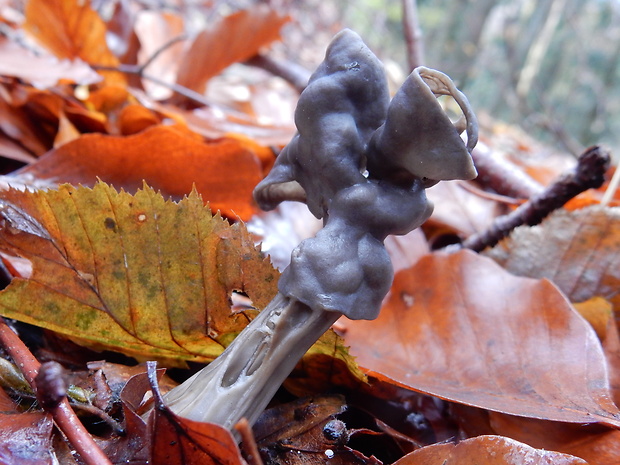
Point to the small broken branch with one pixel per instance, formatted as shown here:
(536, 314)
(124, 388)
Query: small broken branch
(61, 411)
(294, 74)
(589, 173)
(503, 176)
(139, 71)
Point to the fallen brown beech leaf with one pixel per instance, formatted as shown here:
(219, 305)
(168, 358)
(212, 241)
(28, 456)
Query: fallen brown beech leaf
(42, 70)
(232, 39)
(71, 29)
(172, 161)
(595, 444)
(459, 327)
(486, 450)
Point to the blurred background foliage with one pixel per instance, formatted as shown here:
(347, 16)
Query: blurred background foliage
(549, 66)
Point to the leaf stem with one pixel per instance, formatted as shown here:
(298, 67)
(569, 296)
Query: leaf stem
(63, 415)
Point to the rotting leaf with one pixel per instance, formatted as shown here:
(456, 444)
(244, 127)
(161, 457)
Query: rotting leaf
(459, 327)
(578, 250)
(140, 275)
(486, 450)
(26, 438)
(223, 171)
(136, 274)
(305, 432)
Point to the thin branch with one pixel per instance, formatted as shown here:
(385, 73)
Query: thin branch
(162, 49)
(413, 34)
(138, 70)
(589, 173)
(248, 443)
(292, 73)
(63, 415)
(503, 176)
(611, 188)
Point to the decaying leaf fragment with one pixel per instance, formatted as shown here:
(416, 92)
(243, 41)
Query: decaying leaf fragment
(136, 274)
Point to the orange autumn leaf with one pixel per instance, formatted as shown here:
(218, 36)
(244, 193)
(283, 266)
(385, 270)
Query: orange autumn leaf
(71, 29)
(185, 442)
(596, 445)
(223, 171)
(459, 327)
(134, 118)
(234, 38)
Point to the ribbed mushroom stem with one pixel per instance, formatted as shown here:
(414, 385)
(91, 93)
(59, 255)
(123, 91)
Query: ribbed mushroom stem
(242, 380)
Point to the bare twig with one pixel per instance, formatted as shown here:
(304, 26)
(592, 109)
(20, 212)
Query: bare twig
(502, 176)
(413, 34)
(294, 74)
(248, 443)
(589, 173)
(138, 70)
(162, 49)
(612, 188)
(63, 415)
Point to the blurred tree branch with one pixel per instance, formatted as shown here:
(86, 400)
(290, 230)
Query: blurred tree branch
(413, 34)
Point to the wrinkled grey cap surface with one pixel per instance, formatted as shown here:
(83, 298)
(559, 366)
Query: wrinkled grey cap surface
(346, 124)
(345, 102)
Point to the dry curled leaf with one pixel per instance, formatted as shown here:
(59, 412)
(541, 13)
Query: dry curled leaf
(459, 327)
(578, 250)
(179, 441)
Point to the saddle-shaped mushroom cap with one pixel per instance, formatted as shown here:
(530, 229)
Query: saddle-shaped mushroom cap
(418, 136)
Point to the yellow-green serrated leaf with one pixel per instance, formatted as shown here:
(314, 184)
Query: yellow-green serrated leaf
(131, 273)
